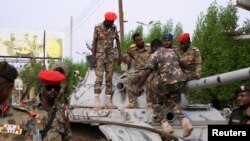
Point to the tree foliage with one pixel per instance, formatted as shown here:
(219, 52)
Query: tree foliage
(220, 53)
(156, 31)
(29, 74)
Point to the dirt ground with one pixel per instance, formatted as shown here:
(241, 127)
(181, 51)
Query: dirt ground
(84, 132)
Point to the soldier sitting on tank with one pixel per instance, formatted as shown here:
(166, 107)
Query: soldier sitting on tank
(139, 52)
(190, 57)
(241, 115)
(165, 63)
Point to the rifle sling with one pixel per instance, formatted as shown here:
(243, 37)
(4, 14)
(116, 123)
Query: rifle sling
(48, 126)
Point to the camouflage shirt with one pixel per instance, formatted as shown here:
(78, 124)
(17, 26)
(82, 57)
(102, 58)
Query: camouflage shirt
(165, 62)
(105, 38)
(60, 127)
(140, 56)
(16, 125)
(190, 62)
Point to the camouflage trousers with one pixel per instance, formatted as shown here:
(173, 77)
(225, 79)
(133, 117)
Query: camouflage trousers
(130, 83)
(166, 98)
(104, 62)
(150, 85)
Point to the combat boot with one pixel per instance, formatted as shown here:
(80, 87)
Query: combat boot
(109, 104)
(97, 102)
(187, 127)
(166, 127)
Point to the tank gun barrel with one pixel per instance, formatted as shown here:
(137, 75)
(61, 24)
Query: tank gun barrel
(217, 80)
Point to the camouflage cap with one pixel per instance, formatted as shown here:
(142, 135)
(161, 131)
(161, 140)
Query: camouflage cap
(61, 65)
(8, 72)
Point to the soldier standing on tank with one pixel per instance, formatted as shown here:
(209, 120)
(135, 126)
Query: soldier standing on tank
(190, 58)
(165, 63)
(103, 57)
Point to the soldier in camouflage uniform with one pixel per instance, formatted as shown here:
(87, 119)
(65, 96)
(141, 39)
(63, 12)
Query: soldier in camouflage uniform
(190, 58)
(170, 78)
(63, 68)
(49, 112)
(140, 53)
(167, 40)
(103, 57)
(152, 82)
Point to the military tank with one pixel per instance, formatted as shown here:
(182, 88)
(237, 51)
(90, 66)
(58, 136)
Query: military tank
(138, 124)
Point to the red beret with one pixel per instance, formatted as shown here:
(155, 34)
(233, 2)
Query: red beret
(51, 77)
(184, 37)
(110, 16)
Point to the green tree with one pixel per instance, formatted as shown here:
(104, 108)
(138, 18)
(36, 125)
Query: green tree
(220, 53)
(178, 30)
(245, 27)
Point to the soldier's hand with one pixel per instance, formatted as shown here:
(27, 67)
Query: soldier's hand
(126, 58)
(139, 91)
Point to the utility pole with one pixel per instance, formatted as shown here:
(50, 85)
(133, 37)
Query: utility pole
(121, 21)
(44, 44)
(71, 36)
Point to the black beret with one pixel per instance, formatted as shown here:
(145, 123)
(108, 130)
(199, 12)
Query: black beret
(242, 88)
(7, 71)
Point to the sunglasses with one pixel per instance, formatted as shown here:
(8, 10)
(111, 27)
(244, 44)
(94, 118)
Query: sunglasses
(50, 87)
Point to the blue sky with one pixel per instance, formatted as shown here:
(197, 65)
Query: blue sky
(54, 15)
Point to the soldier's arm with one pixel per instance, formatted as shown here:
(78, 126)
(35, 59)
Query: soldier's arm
(198, 63)
(95, 39)
(118, 46)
